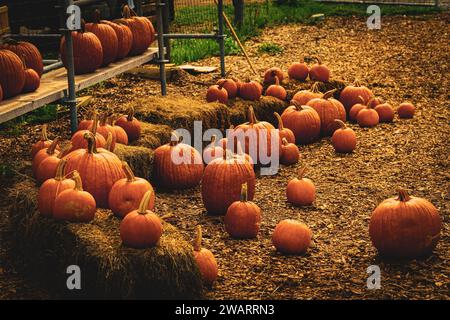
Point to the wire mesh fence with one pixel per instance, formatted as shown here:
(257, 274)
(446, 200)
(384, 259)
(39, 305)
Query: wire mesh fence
(393, 2)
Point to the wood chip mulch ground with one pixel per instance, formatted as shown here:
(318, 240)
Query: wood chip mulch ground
(408, 59)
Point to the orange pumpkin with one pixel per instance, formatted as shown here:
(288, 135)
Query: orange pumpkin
(367, 117)
(302, 97)
(251, 90)
(217, 93)
(222, 180)
(75, 205)
(32, 81)
(344, 138)
(301, 191)
(243, 217)
(43, 143)
(143, 35)
(99, 169)
(327, 111)
(351, 94)
(141, 228)
(291, 237)
(51, 188)
(41, 155)
(12, 75)
(304, 122)
(271, 74)
(385, 112)
(405, 227)
(277, 91)
(230, 86)
(177, 165)
(107, 36)
(284, 132)
(319, 71)
(87, 122)
(79, 141)
(289, 153)
(206, 261)
(131, 125)
(121, 134)
(48, 166)
(105, 129)
(127, 193)
(212, 151)
(298, 71)
(26, 51)
(124, 38)
(406, 110)
(356, 108)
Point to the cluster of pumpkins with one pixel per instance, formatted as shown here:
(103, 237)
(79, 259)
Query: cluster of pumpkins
(21, 68)
(102, 42)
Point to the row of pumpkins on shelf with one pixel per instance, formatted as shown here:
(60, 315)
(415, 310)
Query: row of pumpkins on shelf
(102, 42)
(97, 45)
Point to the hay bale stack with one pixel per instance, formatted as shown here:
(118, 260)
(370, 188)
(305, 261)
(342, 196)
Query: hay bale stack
(45, 248)
(181, 112)
(153, 135)
(140, 159)
(264, 109)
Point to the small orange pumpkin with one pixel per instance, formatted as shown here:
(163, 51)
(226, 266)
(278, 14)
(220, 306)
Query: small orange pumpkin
(43, 143)
(251, 90)
(319, 71)
(41, 155)
(289, 153)
(298, 71)
(131, 125)
(344, 138)
(271, 74)
(206, 261)
(367, 118)
(406, 110)
(385, 112)
(302, 97)
(328, 110)
(291, 237)
(301, 191)
(230, 86)
(217, 93)
(277, 91)
(284, 132)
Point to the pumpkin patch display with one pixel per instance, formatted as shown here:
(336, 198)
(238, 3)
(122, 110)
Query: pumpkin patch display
(284, 132)
(107, 36)
(26, 51)
(277, 91)
(319, 71)
(328, 110)
(251, 90)
(51, 188)
(405, 226)
(291, 237)
(222, 180)
(206, 261)
(298, 71)
(131, 125)
(75, 205)
(99, 169)
(304, 122)
(352, 95)
(344, 138)
(12, 77)
(301, 191)
(243, 217)
(126, 194)
(141, 228)
(302, 97)
(406, 110)
(230, 86)
(177, 165)
(87, 51)
(289, 153)
(272, 74)
(217, 93)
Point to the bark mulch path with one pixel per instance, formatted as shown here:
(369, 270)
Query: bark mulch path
(406, 60)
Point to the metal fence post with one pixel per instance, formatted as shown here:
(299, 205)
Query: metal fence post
(221, 38)
(166, 24)
(161, 60)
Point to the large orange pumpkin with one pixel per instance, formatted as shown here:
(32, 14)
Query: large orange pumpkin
(206, 261)
(141, 228)
(124, 37)
(12, 75)
(256, 137)
(107, 36)
(291, 237)
(243, 217)
(250, 90)
(327, 110)
(351, 94)
(51, 188)
(405, 227)
(28, 52)
(78, 140)
(87, 51)
(127, 193)
(304, 122)
(143, 35)
(298, 71)
(98, 168)
(222, 180)
(177, 165)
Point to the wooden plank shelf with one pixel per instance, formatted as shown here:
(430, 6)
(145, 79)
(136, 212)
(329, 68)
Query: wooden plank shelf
(54, 85)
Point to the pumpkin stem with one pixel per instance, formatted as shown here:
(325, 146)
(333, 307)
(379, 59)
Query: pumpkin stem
(329, 94)
(284, 142)
(143, 206)
(319, 61)
(44, 136)
(78, 183)
(277, 80)
(198, 238)
(92, 145)
(251, 116)
(213, 140)
(126, 12)
(65, 150)
(51, 149)
(301, 172)
(280, 121)
(357, 83)
(96, 16)
(369, 102)
(403, 195)
(128, 172)
(361, 99)
(83, 26)
(109, 141)
(244, 192)
(61, 170)
(130, 114)
(315, 87)
(175, 139)
(94, 123)
(340, 123)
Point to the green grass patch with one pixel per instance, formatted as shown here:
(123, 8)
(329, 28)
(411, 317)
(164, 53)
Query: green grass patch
(270, 48)
(42, 115)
